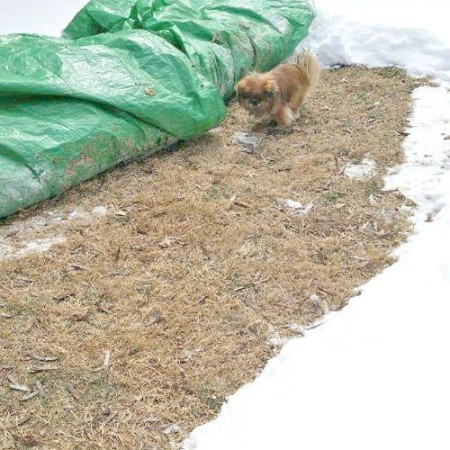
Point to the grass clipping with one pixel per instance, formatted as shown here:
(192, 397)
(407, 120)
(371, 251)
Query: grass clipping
(136, 329)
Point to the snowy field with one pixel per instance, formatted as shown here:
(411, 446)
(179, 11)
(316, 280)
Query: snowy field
(375, 375)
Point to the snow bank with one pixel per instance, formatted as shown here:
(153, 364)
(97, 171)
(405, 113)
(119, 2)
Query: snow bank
(384, 33)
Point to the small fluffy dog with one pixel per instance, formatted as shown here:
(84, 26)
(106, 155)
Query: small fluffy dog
(277, 95)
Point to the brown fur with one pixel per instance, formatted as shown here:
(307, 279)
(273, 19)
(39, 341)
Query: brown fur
(276, 96)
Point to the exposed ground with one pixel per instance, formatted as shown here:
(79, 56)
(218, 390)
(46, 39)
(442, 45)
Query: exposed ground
(148, 312)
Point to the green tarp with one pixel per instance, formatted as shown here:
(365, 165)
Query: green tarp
(127, 78)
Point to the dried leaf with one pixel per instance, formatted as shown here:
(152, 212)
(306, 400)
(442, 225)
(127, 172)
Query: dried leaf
(81, 317)
(325, 291)
(151, 419)
(155, 317)
(154, 424)
(168, 241)
(42, 358)
(248, 139)
(60, 298)
(5, 316)
(13, 384)
(187, 355)
(29, 441)
(110, 417)
(72, 392)
(19, 387)
(78, 267)
(106, 360)
(41, 368)
(12, 233)
(18, 423)
(26, 280)
(41, 389)
(372, 200)
(29, 396)
(315, 325)
(103, 308)
(241, 204)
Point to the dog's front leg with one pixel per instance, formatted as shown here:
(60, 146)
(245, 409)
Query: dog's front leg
(261, 123)
(284, 116)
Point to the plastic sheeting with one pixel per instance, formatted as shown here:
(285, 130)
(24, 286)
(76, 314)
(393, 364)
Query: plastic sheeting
(127, 78)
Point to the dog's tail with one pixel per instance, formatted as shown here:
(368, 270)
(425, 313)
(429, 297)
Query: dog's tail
(309, 67)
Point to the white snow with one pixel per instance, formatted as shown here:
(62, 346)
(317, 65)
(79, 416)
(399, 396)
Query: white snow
(18, 238)
(296, 207)
(374, 375)
(361, 169)
(275, 341)
(39, 245)
(414, 35)
(47, 17)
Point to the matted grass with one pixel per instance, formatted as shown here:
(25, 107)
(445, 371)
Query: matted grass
(160, 309)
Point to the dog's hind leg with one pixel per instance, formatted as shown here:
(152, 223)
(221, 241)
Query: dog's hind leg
(297, 101)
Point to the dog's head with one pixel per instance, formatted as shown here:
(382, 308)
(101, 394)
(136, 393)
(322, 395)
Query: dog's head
(257, 94)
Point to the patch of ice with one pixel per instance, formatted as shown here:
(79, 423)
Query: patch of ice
(34, 246)
(360, 170)
(15, 241)
(39, 245)
(4, 251)
(275, 341)
(100, 210)
(251, 140)
(81, 214)
(297, 328)
(172, 428)
(296, 206)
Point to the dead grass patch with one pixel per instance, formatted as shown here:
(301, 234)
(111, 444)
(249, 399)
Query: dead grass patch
(160, 309)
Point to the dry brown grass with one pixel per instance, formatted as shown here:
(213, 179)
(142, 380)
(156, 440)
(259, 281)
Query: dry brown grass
(195, 266)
